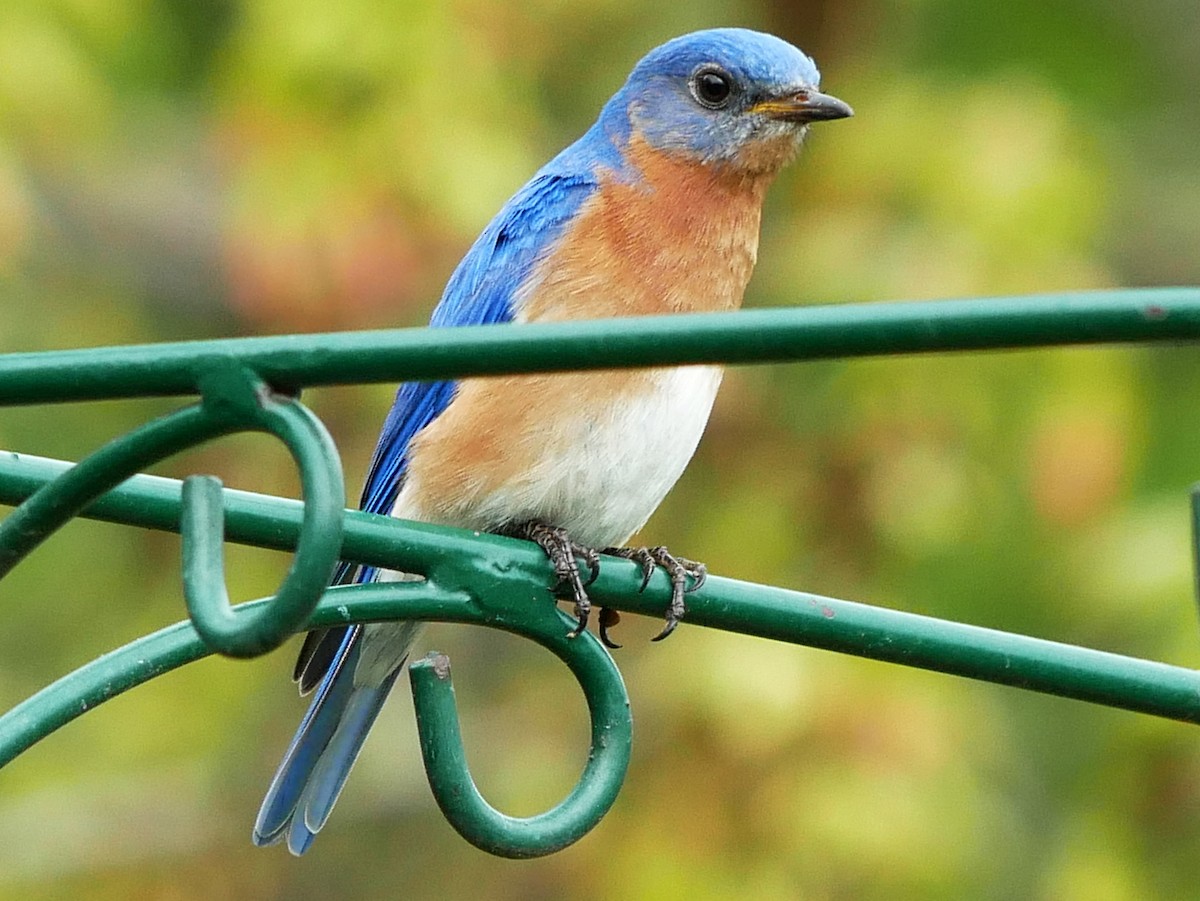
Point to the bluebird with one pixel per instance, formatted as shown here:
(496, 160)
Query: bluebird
(654, 210)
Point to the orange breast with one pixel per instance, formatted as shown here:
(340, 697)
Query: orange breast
(684, 238)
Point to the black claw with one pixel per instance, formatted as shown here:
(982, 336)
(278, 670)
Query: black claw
(686, 576)
(583, 612)
(608, 619)
(667, 630)
(591, 557)
(640, 555)
(647, 572)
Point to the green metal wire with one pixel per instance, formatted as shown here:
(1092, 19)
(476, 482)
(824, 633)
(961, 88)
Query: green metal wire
(594, 792)
(54, 504)
(496, 581)
(747, 336)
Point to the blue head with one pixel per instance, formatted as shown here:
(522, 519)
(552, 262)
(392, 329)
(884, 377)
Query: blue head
(724, 96)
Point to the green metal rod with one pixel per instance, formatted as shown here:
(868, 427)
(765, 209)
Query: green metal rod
(879, 633)
(748, 336)
(167, 649)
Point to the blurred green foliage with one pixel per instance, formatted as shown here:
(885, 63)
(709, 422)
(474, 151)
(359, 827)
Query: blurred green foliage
(173, 169)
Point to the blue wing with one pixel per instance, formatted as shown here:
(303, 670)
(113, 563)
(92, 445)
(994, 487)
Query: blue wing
(481, 291)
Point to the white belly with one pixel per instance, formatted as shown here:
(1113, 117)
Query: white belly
(605, 483)
(598, 473)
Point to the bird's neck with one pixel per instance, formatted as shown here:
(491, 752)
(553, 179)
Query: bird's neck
(679, 237)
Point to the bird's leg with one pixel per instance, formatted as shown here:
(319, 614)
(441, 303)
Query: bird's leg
(562, 551)
(680, 570)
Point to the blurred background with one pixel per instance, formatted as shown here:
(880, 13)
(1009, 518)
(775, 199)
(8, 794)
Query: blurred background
(173, 169)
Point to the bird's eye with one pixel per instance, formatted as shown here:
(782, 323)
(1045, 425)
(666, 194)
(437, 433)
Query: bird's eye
(712, 87)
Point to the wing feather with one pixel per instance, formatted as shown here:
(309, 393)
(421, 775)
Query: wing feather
(481, 291)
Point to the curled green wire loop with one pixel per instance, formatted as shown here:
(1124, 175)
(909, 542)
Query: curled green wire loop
(234, 400)
(240, 397)
(454, 789)
(441, 738)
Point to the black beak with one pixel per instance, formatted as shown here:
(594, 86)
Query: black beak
(804, 106)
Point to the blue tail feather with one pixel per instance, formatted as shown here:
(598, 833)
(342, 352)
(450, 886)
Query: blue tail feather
(314, 734)
(319, 759)
(331, 735)
(329, 776)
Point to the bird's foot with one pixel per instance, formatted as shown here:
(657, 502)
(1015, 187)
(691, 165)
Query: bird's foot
(562, 551)
(680, 570)
(686, 575)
